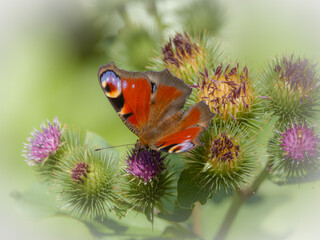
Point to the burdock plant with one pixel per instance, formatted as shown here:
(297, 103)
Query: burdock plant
(44, 148)
(83, 179)
(145, 165)
(86, 183)
(186, 58)
(228, 91)
(290, 87)
(43, 144)
(148, 182)
(182, 56)
(294, 152)
(224, 162)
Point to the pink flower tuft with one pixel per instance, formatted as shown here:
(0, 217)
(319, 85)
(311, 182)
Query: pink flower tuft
(43, 143)
(300, 143)
(145, 164)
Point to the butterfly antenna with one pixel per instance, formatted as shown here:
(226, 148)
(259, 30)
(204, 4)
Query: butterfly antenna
(99, 149)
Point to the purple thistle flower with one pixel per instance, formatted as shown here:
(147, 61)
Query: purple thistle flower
(226, 90)
(178, 50)
(79, 172)
(297, 73)
(300, 143)
(43, 144)
(145, 164)
(224, 149)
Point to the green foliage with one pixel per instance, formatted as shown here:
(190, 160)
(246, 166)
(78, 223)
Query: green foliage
(37, 202)
(134, 48)
(177, 214)
(190, 190)
(202, 16)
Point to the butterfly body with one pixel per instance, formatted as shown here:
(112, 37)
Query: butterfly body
(151, 103)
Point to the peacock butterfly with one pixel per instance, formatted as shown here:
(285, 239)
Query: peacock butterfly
(150, 104)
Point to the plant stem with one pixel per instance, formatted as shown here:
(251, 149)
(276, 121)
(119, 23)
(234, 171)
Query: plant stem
(232, 212)
(239, 198)
(196, 219)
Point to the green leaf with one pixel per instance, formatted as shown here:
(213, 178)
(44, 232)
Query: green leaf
(189, 191)
(37, 202)
(106, 227)
(178, 214)
(133, 225)
(97, 141)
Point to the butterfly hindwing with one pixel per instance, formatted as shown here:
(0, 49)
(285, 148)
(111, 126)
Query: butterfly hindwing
(186, 133)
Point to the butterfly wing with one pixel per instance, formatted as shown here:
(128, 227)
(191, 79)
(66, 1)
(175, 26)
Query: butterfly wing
(143, 100)
(130, 95)
(150, 105)
(185, 134)
(168, 96)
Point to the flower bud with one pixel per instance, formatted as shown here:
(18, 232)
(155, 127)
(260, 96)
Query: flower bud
(148, 182)
(290, 87)
(85, 181)
(180, 55)
(145, 165)
(225, 161)
(227, 91)
(186, 57)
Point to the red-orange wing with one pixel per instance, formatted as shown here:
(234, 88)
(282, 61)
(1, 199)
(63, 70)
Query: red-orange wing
(130, 95)
(168, 96)
(186, 134)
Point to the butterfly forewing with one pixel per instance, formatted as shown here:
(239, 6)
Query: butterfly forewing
(130, 95)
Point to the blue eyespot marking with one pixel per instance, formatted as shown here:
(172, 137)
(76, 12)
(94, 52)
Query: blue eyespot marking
(109, 76)
(111, 84)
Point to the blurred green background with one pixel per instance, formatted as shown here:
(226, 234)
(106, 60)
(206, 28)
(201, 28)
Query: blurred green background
(50, 52)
